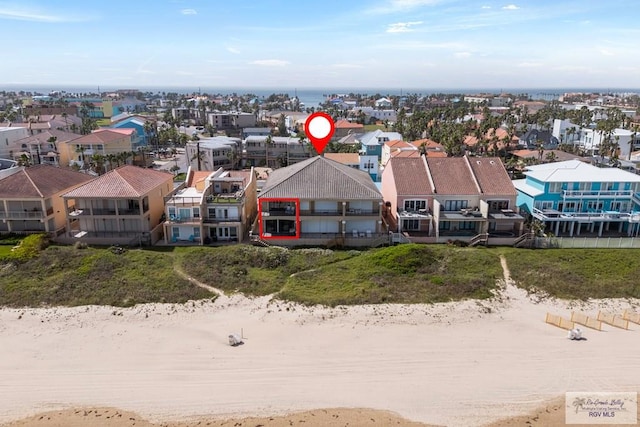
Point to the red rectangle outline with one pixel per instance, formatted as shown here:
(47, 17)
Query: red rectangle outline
(296, 201)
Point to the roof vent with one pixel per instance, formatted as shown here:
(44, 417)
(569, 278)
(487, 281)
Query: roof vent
(492, 162)
(478, 161)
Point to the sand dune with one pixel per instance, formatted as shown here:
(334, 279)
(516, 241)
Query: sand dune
(468, 363)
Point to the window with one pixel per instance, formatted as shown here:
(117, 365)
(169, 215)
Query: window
(172, 211)
(410, 224)
(414, 205)
(196, 232)
(555, 187)
(544, 205)
(175, 232)
(569, 207)
(585, 186)
(196, 212)
(455, 205)
(496, 205)
(212, 213)
(594, 206)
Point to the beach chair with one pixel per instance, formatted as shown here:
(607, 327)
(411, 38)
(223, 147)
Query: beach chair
(355, 233)
(369, 233)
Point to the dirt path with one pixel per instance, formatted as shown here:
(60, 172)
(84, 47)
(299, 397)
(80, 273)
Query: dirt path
(196, 282)
(505, 270)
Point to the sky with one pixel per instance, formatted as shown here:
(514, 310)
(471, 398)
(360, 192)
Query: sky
(322, 43)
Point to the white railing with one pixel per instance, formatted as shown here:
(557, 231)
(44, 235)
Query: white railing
(603, 194)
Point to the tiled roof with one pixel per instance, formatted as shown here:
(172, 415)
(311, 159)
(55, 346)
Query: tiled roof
(346, 124)
(410, 176)
(398, 143)
(40, 181)
(319, 178)
(428, 143)
(125, 181)
(344, 158)
(406, 153)
(103, 136)
(452, 175)
(492, 176)
(43, 137)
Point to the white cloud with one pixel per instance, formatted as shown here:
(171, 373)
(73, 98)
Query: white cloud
(233, 50)
(8, 12)
(402, 27)
(462, 54)
(486, 7)
(510, 7)
(606, 52)
(189, 12)
(270, 62)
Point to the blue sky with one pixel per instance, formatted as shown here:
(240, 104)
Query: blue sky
(322, 43)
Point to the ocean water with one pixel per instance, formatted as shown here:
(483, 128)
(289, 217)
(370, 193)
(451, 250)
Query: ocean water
(313, 97)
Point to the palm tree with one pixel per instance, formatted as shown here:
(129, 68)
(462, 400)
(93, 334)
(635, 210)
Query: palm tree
(111, 159)
(267, 142)
(98, 161)
(198, 155)
(24, 160)
(80, 150)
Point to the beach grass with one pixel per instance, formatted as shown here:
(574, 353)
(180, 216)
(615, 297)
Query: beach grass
(65, 275)
(402, 274)
(577, 273)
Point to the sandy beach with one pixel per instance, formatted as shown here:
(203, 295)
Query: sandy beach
(468, 363)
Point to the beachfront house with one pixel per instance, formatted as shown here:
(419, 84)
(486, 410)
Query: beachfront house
(320, 202)
(435, 199)
(105, 142)
(574, 198)
(213, 207)
(372, 142)
(124, 206)
(30, 198)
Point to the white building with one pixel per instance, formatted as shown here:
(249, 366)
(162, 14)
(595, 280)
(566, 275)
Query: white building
(8, 137)
(215, 152)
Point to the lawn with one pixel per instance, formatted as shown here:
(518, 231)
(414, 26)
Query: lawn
(577, 273)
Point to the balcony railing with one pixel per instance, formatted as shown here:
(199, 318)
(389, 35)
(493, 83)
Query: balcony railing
(179, 219)
(552, 214)
(225, 199)
(601, 194)
(22, 214)
(362, 212)
(279, 212)
(317, 212)
(217, 220)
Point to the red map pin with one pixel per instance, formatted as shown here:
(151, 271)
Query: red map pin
(319, 128)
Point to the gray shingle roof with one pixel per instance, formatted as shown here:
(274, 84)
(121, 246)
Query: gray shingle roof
(319, 178)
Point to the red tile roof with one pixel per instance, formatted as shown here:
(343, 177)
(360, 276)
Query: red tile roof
(406, 153)
(40, 181)
(344, 158)
(104, 136)
(398, 143)
(125, 181)
(492, 176)
(410, 176)
(346, 124)
(452, 175)
(429, 144)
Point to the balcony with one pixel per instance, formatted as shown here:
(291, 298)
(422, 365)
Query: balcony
(316, 212)
(225, 198)
(23, 214)
(179, 219)
(362, 212)
(579, 194)
(215, 220)
(284, 211)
